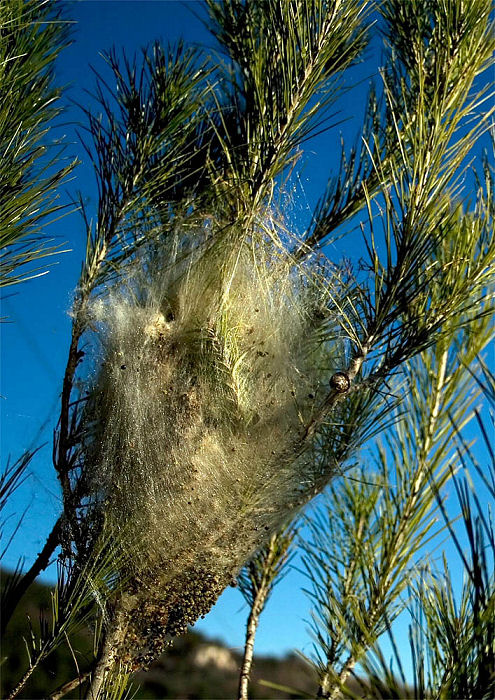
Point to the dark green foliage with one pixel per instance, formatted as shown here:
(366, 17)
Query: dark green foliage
(141, 152)
(53, 671)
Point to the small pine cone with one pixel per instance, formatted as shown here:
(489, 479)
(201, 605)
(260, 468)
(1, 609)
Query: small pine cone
(340, 382)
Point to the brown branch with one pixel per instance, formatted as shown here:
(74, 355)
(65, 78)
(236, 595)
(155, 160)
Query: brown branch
(70, 685)
(252, 625)
(42, 560)
(247, 660)
(64, 440)
(23, 681)
(63, 446)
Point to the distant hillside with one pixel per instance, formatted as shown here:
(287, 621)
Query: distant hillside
(194, 667)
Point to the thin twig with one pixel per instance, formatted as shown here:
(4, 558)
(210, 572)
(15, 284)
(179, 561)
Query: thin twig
(70, 685)
(258, 603)
(247, 659)
(26, 676)
(39, 565)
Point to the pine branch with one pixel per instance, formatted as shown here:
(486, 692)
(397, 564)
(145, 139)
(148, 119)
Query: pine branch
(256, 582)
(282, 56)
(357, 579)
(70, 685)
(15, 593)
(77, 598)
(33, 34)
(451, 634)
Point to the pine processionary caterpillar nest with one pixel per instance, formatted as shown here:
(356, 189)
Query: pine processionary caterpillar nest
(203, 388)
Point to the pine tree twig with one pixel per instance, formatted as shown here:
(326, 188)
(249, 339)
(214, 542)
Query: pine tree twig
(247, 659)
(70, 685)
(256, 582)
(32, 667)
(39, 565)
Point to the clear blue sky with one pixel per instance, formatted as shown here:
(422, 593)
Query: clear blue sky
(35, 340)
